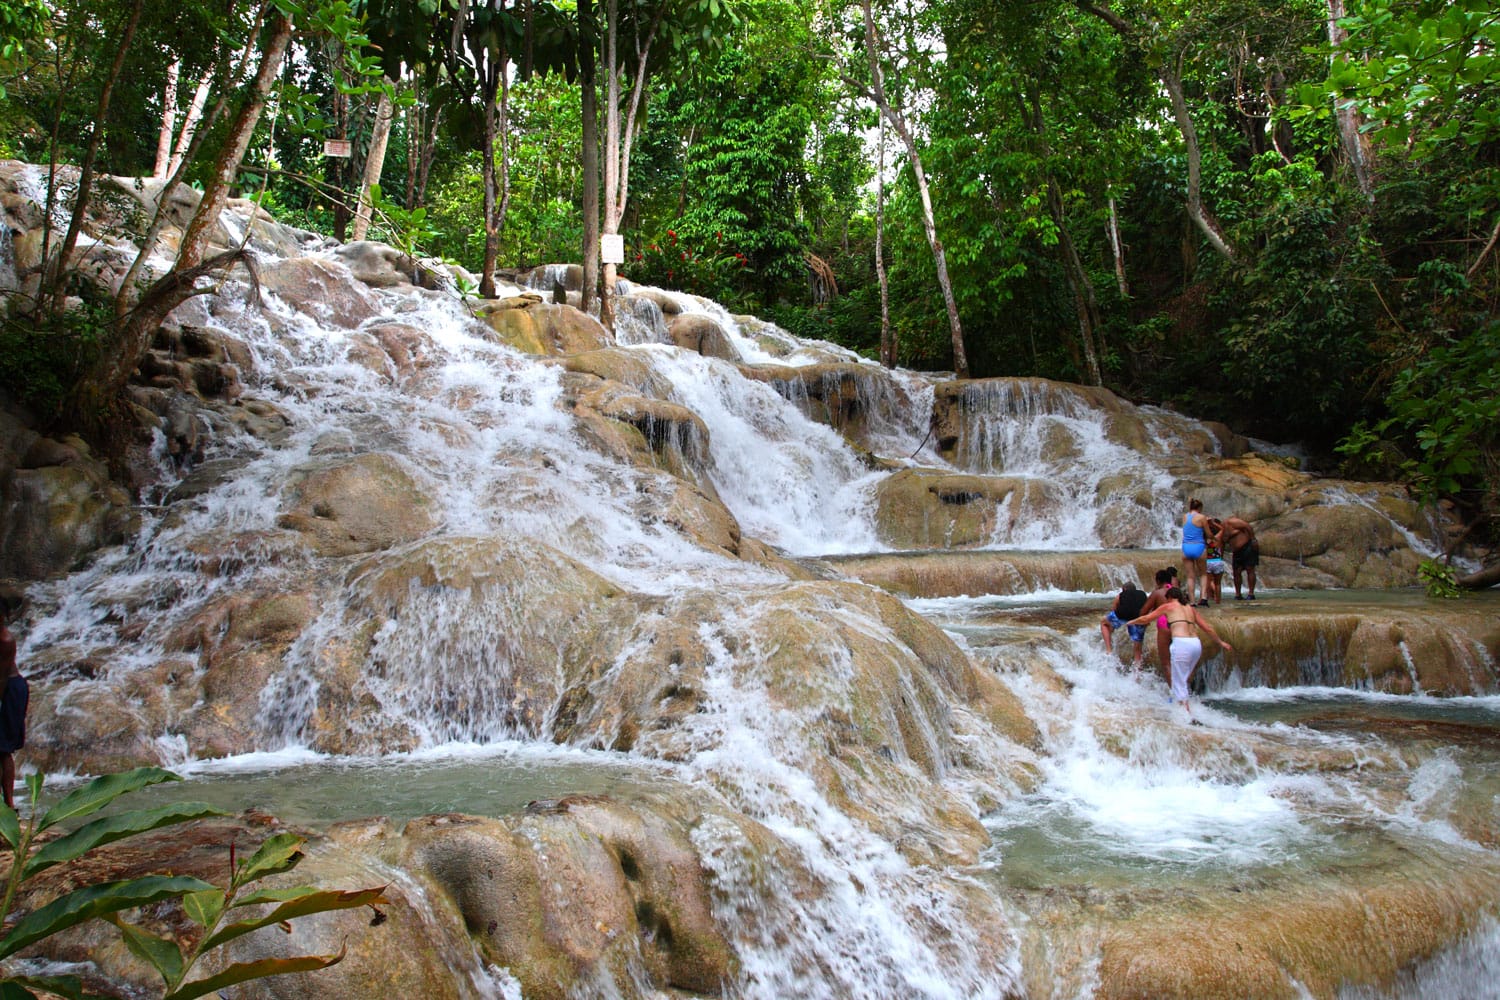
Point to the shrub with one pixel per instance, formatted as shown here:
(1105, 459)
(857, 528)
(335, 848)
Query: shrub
(207, 905)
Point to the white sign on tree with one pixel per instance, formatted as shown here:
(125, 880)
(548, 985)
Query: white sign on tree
(612, 248)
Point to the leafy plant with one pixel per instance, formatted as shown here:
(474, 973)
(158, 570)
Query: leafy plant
(43, 357)
(670, 262)
(1446, 404)
(1440, 579)
(408, 230)
(206, 904)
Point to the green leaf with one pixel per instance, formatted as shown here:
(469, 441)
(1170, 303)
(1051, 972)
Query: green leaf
(94, 901)
(203, 908)
(164, 955)
(64, 986)
(112, 828)
(10, 825)
(273, 895)
(100, 792)
(243, 972)
(302, 906)
(279, 853)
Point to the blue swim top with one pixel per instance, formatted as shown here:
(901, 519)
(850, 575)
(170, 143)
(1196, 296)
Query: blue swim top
(1192, 534)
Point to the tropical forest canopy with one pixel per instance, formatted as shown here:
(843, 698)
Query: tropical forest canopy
(1279, 215)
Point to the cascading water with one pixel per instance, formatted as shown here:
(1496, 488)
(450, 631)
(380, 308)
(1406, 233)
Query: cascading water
(526, 541)
(1049, 435)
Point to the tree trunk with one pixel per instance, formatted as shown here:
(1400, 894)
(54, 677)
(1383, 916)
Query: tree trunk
(590, 115)
(929, 224)
(177, 285)
(1354, 143)
(375, 161)
(220, 183)
(887, 335)
(54, 283)
(1085, 303)
(619, 138)
(1485, 578)
(1172, 81)
(168, 122)
(1117, 249)
(190, 123)
(1202, 217)
(491, 230)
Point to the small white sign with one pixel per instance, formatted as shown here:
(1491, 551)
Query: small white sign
(336, 147)
(612, 248)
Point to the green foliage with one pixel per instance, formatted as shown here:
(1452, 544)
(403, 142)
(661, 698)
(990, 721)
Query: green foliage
(42, 357)
(204, 903)
(744, 173)
(1295, 318)
(1440, 579)
(704, 269)
(21, 23)
(1444, 412)
(405, 229)
(1426, 72)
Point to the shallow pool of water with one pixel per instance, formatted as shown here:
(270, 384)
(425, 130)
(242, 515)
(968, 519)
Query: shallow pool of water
(315, 792)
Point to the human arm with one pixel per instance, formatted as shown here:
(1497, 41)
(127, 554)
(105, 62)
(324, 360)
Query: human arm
(1203, 624)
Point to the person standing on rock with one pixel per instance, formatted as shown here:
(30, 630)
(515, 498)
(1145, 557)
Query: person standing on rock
(14, 701)
(1187, 649)
(1194, 549)
(1128, 603)
(1213, 588)
(1239, 538)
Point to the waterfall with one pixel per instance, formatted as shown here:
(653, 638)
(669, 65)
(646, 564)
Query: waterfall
(910, 799)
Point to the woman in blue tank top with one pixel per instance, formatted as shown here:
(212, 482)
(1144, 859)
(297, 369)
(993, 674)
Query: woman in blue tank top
(1194, 547)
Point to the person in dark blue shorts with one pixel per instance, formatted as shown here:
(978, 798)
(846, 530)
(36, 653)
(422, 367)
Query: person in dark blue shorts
(1128, 604)
(13, 704)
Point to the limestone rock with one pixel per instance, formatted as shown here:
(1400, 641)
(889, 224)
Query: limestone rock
(59, 514)
(584, 889)
(700, 333)
(925, 508)
(382, 266)
(322, 289)
(359, 504)
(545, 328)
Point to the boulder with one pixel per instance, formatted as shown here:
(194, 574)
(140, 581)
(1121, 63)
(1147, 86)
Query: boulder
(535, 327)
(701, 333)
(362, 503)
(321, 288)
(927, 508)
(581, 890)
(382, 266)
(58, 514)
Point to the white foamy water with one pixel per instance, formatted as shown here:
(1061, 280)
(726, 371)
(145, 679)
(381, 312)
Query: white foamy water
(793, 482)
(1150, 794)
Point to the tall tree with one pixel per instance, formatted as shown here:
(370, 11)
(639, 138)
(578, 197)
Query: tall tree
(680, 27)
(1166, 57)
(878, 58)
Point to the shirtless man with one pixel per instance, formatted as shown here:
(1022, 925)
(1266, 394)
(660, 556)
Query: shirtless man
(1239, 538)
